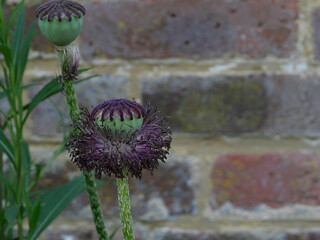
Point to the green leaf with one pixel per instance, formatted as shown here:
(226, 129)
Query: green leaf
(114, 233)
(24, 53)
(14, 14)
(6, 52)
(48, 90)
(11, 214)
(3, 35)
(36, 177)
(55, 201)
(26, 162)
(17, 36)
(6, 183)
(2, 95)
(6, 147)
(34, 218)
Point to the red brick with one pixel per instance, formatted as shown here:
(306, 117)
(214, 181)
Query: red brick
(189, 28)
(275, 179)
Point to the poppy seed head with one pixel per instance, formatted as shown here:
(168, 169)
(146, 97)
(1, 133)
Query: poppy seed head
(120, 136)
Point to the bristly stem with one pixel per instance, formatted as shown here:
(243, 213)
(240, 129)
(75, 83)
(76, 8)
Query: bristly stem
(89, 177)
(125, 208)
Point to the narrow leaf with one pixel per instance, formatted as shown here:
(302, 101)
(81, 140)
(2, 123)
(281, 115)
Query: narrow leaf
(114, 233)
(6, 52)
(26, 162)
(34, 218)
(55, 201)
(48, 90)
(14, 14)
(24, 53)
(17, 36)
(7, 184)
(36, 177)
(6, 147)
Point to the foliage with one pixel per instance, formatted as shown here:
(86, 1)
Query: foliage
(18, 200)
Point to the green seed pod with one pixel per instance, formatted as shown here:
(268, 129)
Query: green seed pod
(60, 21)
(61, 33)
(123, 116)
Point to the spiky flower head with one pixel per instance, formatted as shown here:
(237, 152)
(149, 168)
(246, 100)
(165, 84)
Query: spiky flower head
(60, 21)
(119, 136)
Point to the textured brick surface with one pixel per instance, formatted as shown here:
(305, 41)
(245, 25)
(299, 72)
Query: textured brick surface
(316, 31)
(272, 179)
(219, 105)
(82, 233)
(283, 234)
(45, 119)
(79, 234)
(164, 195)
(186, 28)
(223, 105)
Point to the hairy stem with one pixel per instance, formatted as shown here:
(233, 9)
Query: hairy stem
(89, 177)
(125, 208)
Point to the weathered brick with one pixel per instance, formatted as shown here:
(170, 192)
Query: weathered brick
(162, 196)
(165, 194)
(283, 234)
(81, 233)
(185, 28)
(275, 180)
(181, 28)
(45, 120)
(219, 105)
(235, 105)
(316, 31)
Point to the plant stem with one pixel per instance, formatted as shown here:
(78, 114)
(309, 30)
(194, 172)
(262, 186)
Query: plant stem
(89, 177)
(125, 208)
(1, 195)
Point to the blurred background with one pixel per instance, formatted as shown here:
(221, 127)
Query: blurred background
(241, 82)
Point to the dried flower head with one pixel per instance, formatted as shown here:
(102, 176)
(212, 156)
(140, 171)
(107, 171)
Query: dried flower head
(119, 136)
(60, 21)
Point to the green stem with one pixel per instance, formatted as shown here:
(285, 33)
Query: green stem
(1, 195)
(89, 177)
(125, 208)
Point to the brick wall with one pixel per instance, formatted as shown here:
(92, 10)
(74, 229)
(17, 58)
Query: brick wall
(241, 81)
